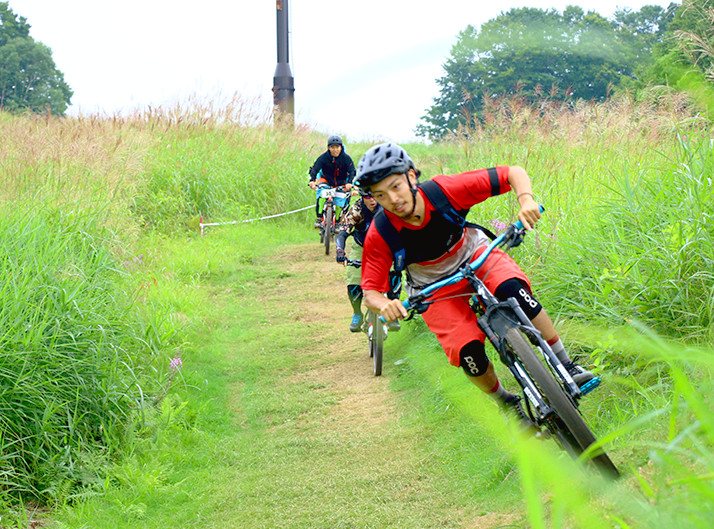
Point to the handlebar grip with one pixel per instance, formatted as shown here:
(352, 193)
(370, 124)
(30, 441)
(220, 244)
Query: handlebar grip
(519, 224)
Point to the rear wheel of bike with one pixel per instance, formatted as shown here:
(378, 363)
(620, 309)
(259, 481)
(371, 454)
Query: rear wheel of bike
(376, 342)
(568, 426)
(328, 228)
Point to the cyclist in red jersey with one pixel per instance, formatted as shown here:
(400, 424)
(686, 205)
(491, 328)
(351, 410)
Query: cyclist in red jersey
(435, 247)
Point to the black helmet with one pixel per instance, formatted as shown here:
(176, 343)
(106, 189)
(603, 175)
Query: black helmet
(364, 193)
(334, 140)
(381, 161)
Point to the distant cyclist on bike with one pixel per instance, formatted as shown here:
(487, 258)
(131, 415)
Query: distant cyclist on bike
(355, 223)
(335, 168)
(433, 246)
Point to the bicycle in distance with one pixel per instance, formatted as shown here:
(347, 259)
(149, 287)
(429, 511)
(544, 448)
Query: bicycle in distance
(376, 330)
(337, 200)
(551, 396)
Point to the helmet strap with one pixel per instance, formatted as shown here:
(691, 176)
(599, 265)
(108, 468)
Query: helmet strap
(413, 189)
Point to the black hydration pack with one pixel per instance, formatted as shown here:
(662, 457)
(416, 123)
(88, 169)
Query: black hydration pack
(438, 199)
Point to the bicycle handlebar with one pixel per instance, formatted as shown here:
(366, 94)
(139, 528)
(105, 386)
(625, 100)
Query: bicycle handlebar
(328, 186)
(514, 234)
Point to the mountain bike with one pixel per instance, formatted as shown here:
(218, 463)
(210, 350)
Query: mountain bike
(551, 395)
(335, 197)
(376, 330)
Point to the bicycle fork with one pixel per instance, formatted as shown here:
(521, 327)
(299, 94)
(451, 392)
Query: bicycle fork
(501, 316)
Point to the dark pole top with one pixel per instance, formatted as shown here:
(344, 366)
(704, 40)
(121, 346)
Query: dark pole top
(283, 86)
(282, 18)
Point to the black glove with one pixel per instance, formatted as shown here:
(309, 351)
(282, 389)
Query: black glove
(340, 255)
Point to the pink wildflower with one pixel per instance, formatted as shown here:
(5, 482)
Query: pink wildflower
(498, 225)
(176, 364)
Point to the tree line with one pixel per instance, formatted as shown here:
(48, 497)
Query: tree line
(29, 78)
(536, 54)
(543, 54)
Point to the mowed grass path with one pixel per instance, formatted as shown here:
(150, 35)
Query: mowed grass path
(293, 430)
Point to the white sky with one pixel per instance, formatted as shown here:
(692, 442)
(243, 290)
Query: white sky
(365, 69)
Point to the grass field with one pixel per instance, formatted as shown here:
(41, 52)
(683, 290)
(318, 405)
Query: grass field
(153, 376)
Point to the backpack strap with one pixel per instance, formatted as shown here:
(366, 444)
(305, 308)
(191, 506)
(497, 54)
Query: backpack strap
(438, 199)
(391, 236)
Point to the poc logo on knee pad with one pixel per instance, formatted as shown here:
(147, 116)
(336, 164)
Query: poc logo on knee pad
(473, 368)
(527, 298)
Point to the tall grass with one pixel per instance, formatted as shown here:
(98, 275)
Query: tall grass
(71, 366)
(220, 162)
(90, 317)
(651, 255)
(224, 172)
(85, 163)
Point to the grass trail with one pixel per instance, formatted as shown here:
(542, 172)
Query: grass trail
(294, 429)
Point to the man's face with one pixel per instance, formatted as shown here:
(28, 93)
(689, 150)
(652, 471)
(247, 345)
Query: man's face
(335, 150)
(394, 194)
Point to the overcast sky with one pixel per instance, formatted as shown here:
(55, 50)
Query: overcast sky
(365, 69)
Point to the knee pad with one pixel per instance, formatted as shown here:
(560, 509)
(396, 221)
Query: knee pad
(474, 359)
(354, 292)
(515, 288)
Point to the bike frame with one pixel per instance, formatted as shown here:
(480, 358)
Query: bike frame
(497, 317)
(338, 197)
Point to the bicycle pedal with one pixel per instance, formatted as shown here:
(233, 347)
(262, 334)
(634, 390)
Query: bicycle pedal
(589, 386)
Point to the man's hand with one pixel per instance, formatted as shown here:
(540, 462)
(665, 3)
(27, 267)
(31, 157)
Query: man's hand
(393, 310)
(348, 187)
(530, 211)
(312, 184)
(340, 255)
(389, 309)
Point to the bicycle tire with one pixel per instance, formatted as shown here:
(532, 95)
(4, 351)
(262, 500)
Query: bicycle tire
(328, 228)
(376, 342)
(568, 426)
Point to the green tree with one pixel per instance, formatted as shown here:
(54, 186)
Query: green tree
(29, 78)
(684, 59)
(530, 52)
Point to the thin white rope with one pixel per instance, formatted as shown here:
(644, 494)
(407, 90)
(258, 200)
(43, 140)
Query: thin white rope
(205, 224)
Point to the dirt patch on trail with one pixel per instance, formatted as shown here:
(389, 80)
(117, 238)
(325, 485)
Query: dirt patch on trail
(345, 367)
(363, 404)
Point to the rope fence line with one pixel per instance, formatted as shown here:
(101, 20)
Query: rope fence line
(203, 225)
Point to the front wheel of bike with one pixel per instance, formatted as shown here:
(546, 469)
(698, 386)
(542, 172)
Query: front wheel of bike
(327, 217)
(375, 333)
(567, 425)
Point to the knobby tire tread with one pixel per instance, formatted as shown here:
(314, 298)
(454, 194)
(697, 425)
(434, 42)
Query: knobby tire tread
(578, 434)
(328, 229)
(376, 343)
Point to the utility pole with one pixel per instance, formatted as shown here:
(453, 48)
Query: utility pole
(283, 86)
